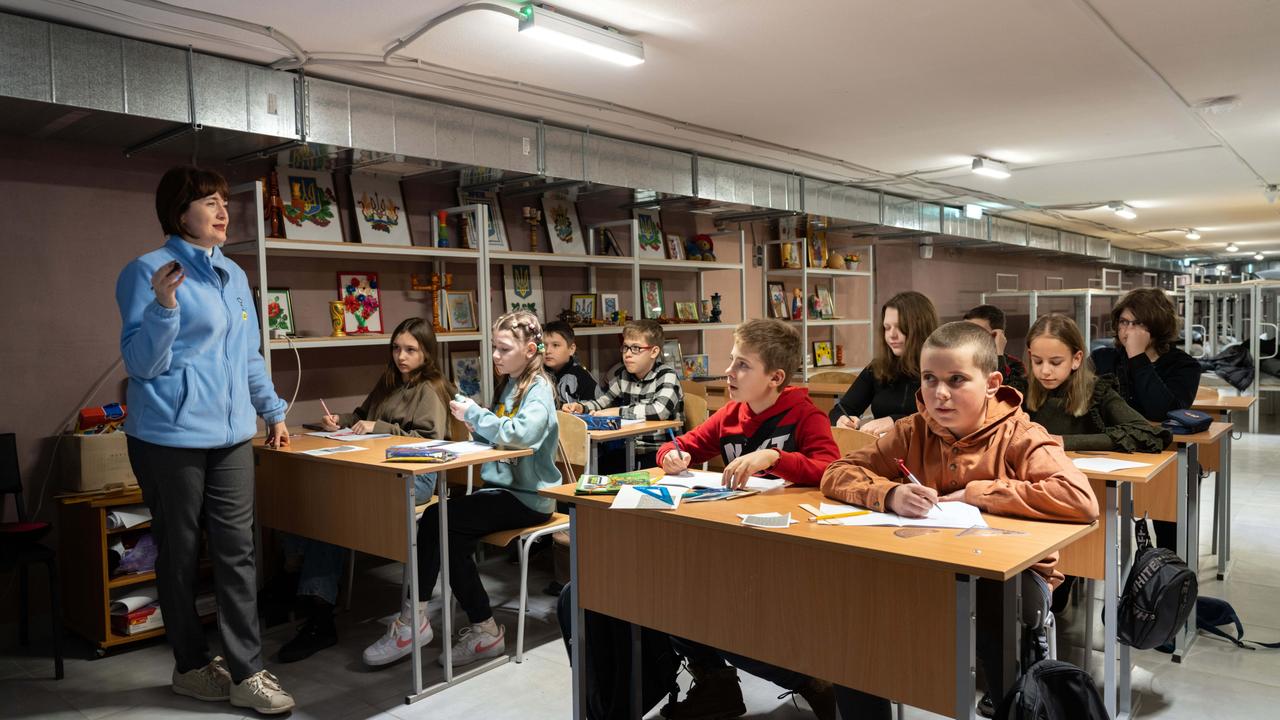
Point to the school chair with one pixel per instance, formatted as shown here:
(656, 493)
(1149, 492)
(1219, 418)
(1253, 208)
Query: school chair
(848, 439)
(833, 377)
(20, 545)
(573, 451)
(692, 387)
(695, 413)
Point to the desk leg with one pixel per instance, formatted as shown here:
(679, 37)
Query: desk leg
(1011, 631)
(593, 468)
(1124, 699)
(1222, 497)
(637, 675)
(1188, 535)
(631, 453)
(965, 649)
(576, 654)
(1110, 593)
(446, 590)
(412, 531)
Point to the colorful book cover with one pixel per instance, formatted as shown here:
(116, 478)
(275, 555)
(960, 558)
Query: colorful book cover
(611, 484)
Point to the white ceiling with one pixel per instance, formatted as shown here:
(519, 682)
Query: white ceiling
(856, 89)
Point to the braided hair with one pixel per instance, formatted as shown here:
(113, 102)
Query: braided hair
(524, 326)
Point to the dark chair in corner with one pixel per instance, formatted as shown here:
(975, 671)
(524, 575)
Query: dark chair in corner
(20, 545)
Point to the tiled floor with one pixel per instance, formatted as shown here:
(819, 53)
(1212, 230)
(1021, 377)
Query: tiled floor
(1216, 680)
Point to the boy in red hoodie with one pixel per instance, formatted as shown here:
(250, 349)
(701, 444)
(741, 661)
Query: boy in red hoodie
(765, 428)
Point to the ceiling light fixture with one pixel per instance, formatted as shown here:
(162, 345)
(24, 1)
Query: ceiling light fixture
(973, 212)
(1122, 210)
(990, 168)
(1271, 193)
(1232, 247)
(1192, 234)
(572, 34)
(1259, 256)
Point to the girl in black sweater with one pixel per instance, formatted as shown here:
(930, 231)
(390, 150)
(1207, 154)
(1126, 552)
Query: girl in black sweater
(889, 384)
(1151, 374)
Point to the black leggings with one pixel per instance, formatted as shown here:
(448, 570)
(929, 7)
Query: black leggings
(471, 517)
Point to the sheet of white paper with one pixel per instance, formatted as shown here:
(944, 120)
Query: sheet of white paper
(767, 520)
(1103, 464)
(128, 516)
(347, 435)
(334, 450)
(626, 422)
(463, 447)
(703, 479)
(135, 600)
(425, 444)
(650, 497)
(942, 515)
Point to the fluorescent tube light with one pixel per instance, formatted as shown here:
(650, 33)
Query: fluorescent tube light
(973, 212)
(1259, 256)
(1233, 248)
(1192, 234)
(990, 168)
(585, 38)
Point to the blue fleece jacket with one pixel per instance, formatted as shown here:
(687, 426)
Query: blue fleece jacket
(196, 375)
(532, 425)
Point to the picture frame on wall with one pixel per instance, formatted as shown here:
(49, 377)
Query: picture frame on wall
(378, 210)
(460, 306)
(828, 307)
(651, 302)
(675, 247)
(497, 231)
(608, 306)
(687, 311)
(671, 355)
(823, 356)
(648, 243)
(280, 311)
(563, 229)
(522, 289)
(817, 252)
(789, 252)
(778, 301)
(309, 205)
(361, 302)
(585, 305)
(464, 367)
(696, 366)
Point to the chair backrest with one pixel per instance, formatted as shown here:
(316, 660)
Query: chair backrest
(833, 377)
(691, 387)
(695, 411)
(573, 444)
(10, 475)
(849, 440)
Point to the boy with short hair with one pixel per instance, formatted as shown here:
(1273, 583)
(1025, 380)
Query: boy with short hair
(766, 427)
(646, 389)
(991, 319)
(573, 382)
(970, 441)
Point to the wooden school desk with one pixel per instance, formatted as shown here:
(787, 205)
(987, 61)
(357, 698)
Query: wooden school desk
(1104, 554)
(629, 434)
(1220, 462)
(697, 573)
(360, 501)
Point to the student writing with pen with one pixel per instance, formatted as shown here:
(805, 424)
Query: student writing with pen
(769, 428)
(970, 441)
(888, 385)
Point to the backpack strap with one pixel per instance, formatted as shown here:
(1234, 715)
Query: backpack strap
(1141, 533)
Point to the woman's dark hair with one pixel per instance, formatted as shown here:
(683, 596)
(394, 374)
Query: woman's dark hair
(429, 372)
(180, 187)
(1153, 309)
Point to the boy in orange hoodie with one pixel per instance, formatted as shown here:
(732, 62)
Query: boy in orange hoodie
(765, 428)
(970, 441)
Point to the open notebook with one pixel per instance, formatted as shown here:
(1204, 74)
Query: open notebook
(942, 515)
(703, 479)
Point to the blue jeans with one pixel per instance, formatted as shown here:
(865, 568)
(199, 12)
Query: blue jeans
(322, 561)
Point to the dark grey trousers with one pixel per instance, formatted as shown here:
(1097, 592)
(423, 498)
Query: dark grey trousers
(187, 489)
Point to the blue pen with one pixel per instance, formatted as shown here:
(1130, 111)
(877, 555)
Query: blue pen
(676, 440)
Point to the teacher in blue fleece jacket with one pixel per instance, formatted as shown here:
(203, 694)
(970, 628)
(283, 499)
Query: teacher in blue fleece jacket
(197, 381)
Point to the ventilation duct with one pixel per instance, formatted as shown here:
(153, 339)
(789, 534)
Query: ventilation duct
(841, 201)
(747, 185)
(1009, 232)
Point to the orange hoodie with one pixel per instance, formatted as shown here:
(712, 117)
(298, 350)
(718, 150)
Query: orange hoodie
(1009, 466)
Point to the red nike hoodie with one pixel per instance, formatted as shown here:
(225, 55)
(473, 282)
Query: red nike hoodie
(794, 426)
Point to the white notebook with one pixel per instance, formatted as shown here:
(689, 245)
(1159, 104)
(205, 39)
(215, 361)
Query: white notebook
(942, 515)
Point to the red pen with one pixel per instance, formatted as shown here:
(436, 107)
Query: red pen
(910, 476)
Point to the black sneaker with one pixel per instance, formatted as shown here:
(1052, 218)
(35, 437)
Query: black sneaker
(821, 698)
(316, 634)
(986, 708)
(715, 695)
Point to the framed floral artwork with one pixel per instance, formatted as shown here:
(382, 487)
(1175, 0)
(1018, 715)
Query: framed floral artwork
(651, 302)
(649, 240)
(585, 305)
(675, 247)
(561, 216)
(464, 366)
(687, 311)
(823, 355)
(379, 210)
(361, 302)
(280, 311)
(461, 308)
(310, 207)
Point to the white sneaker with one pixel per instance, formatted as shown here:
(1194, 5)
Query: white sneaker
(475, 642)
(262, 692)
(398, 640)
(211, 683)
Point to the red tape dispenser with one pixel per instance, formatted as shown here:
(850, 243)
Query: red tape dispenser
(101, 420)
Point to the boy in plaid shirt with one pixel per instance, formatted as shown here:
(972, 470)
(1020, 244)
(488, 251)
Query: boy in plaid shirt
(645, 390)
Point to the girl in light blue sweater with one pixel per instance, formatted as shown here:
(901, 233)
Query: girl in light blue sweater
(524, 416)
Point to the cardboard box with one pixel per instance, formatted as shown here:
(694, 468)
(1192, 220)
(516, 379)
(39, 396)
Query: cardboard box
(94, 462)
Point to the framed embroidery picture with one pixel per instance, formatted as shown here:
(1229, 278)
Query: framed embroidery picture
(361, 302)
(651, 303)
(464, 366)
(649, 240)
(461, 308)
(522, 289)
(561, 215)
(687, 311)
(675, 247)
(585, 305)
(828, 307)
(778, 301)
(280, 311)
(309, 205)
(822, 354)
(608, 306)
(496, 231)
(379, 210)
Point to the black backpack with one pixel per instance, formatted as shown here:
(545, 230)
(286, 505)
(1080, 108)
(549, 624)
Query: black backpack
(1053, 690)
(1213, 613)
(607, 671)
(1158, 595)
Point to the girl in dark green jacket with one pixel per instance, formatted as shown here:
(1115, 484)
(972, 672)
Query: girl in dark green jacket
(1070, 401)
